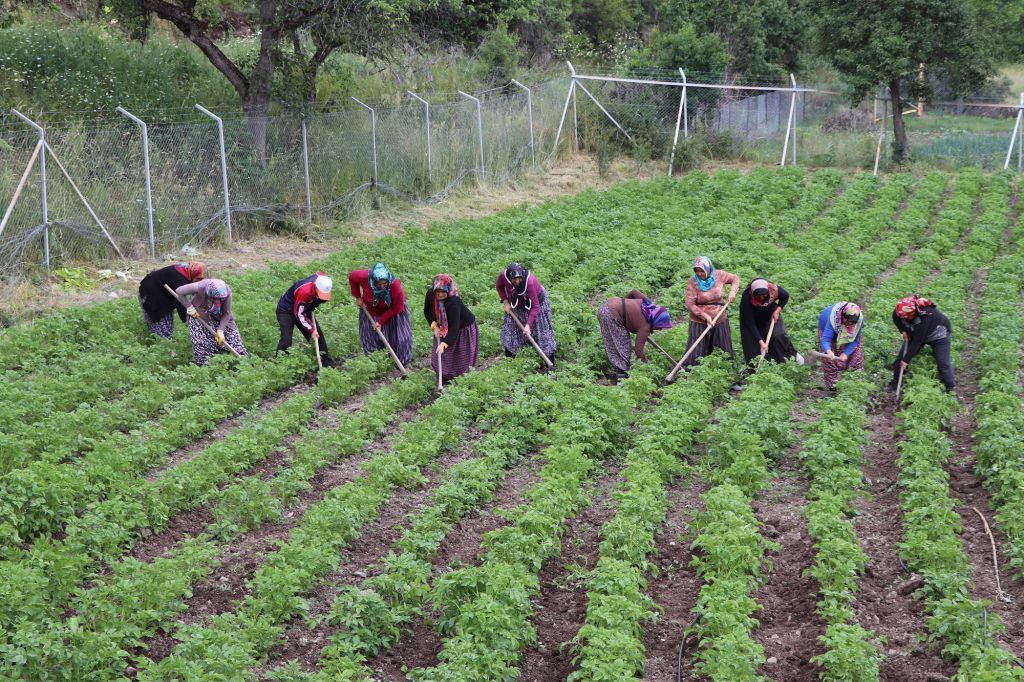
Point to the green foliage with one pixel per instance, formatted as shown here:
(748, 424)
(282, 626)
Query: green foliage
(684, 48)
(498, 56)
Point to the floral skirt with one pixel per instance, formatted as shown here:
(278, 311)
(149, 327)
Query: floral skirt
(204, 346)
(457, 359)
(398, 332)
(542, 330)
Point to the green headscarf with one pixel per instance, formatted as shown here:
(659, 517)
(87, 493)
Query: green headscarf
(378, 273)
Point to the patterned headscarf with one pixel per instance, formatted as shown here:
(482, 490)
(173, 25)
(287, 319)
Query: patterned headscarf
(771, 292)
(446, 284)
(704, 263)
(511, 272)
(216, 292)
(195, 270)
(844, 335)
(377, 273)
(656, 315)
(907, 308)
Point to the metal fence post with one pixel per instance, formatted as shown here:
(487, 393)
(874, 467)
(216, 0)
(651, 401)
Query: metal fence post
(305, 167)
(565, 109)
(679, 115)
(426, 127)
(149, 188)
(792, 80)
(479, 128)
(686, 106)
(789, 124)
(575, 119)
(42, 183)
(223, 165)
(1016, 130)
(373, 136)
(529, 116)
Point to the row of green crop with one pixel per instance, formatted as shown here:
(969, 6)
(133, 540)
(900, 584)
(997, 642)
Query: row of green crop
(1000, 433)
(729, 547)
(235, 640)
(932, 546)
(369, 617)
(610, 643)
(256, 505)
(831, 459)
(40, 579)
(750, 199)
(484, 611)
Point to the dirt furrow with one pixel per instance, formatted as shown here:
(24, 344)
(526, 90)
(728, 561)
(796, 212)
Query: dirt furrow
(882, 606)
(1007, 594)
(908, 254)
(420, 643)
(240, 558)
(561, 606)
(222, 431)
(789, 623)
(674, 585)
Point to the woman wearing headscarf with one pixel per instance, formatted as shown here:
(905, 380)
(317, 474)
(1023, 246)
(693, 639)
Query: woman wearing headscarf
(920, 323)
(839, 331)
(705, 296)
(295, 309)
(761, 303)
(211, 303)
(634, 313)
(380, 297)
(158, 305)
(523, 296)
(457, 343)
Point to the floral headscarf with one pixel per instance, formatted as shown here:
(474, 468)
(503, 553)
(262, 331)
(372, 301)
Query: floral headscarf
(844, 334)
(704, 263)
(377, 273)
(446, 284)
(907, 308)
(217, 292)
(764, 285)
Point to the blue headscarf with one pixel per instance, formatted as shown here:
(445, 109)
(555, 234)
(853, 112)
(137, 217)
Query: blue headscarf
(378, 273)
(704, 263)
(657, 316)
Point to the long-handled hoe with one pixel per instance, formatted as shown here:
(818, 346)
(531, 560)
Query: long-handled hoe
(529, 337)
(679, 365)
(384, 340)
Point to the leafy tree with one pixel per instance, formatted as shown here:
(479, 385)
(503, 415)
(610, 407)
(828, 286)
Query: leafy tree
(684, 48)
(884, 41)
(294, 38)
(762, 38)
(1002, 25)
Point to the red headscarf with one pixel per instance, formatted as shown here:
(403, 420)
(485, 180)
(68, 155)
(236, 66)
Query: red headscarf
(907, 308)
(196, 270)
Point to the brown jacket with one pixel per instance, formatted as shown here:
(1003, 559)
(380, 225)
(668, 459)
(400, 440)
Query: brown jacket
(627, 310)
(711, 301)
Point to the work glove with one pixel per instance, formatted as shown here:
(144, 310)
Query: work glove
(219, 337)
(433, 326)
(442, 347)
(191, 310)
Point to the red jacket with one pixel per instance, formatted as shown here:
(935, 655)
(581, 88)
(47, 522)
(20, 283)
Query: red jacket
(359, 283)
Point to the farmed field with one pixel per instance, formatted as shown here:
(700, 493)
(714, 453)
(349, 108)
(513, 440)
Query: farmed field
(261, 518)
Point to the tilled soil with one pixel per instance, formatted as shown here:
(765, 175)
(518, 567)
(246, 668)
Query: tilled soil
(303, 642)
(789, 623)
(561, 606)
(882, 606)
(420, 643)
(227, 583)
(973, 499)
(675, 585)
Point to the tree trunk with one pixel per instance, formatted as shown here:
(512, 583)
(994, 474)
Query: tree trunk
(900, 146)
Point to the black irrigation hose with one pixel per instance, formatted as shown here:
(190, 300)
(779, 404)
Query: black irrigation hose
(682, 648)
(902, 565)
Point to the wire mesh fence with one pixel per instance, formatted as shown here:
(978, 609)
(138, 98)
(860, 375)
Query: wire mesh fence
(286, 169)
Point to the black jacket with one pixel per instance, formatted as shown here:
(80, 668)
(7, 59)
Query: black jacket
(156, 301)
(926, 326)
(756, 319)
(459, 316)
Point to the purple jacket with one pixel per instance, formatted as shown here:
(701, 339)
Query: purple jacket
(530, 301)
